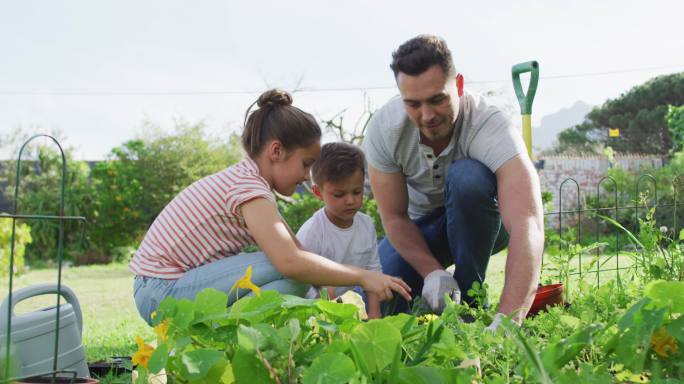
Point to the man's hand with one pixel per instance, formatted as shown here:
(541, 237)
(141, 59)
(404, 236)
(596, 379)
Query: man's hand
(496, 323)
(436, 284)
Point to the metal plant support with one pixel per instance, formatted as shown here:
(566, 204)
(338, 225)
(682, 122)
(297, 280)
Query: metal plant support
(60, 218)
(612, 209)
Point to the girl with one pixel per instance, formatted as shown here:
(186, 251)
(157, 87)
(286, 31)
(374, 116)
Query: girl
(196, 240)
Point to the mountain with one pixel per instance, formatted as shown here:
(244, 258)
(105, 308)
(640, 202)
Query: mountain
(543, 136)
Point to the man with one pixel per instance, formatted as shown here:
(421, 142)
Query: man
(447, 170)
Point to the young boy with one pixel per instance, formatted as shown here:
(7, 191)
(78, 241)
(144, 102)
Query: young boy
(338, 231)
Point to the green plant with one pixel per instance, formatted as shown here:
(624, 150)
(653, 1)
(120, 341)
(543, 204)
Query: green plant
(299, 209)
(279, 338)
(142, 176)
(39, 193)
(658, 255)
(22, 238)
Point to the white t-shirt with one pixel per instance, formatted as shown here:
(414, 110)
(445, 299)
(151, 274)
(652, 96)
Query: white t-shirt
(356, 245)
(392, 144)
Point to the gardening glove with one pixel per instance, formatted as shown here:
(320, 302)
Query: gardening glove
(436, 284)
(496, 323)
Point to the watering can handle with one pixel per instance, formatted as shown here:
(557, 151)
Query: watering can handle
(37, 290)
(525, 99)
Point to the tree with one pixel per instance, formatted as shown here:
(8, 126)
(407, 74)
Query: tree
(639, 114)
(675, 122)
(143, 175)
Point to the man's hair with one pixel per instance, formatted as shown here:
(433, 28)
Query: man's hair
(338, 161)
(420, 53)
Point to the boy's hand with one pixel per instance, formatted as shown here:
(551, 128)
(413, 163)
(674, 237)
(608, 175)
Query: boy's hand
(373, 306)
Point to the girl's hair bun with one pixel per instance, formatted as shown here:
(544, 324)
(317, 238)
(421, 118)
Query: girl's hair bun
(274, 97)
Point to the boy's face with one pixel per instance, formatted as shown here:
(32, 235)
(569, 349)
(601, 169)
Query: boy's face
(343, 198)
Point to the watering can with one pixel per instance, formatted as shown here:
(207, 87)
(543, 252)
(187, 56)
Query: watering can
(33, 333)
(525, 99)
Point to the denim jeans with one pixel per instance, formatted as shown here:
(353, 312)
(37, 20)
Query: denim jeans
(222, 274)
(465, 232)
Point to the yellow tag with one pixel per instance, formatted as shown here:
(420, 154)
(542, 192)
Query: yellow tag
(614, 132)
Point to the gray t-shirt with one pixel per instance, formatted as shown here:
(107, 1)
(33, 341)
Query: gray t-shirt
(392, 144)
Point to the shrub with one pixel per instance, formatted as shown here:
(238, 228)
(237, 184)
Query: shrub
(21, 240)
(142, 176)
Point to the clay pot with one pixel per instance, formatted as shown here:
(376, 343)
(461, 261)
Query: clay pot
(547, 295)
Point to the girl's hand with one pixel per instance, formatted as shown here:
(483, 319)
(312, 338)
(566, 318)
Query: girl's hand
(382, 285)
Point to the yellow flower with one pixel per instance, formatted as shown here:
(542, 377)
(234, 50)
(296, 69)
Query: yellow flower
(117, 198)
(245, 282)
(161, 329)
(662, 343)
(428, 318)
(142, 356)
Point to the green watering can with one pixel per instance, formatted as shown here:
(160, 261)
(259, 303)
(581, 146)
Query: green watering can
(525, 99)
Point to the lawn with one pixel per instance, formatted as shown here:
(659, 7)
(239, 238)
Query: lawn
(105, 292)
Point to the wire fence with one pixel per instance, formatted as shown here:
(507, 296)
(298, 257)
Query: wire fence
(583, 220)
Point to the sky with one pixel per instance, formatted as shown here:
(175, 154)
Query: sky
(95, 71)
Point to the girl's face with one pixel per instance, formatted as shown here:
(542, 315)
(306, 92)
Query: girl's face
(294, 168)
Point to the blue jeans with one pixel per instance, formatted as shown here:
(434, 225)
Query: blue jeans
(222, 274)
(465, 232)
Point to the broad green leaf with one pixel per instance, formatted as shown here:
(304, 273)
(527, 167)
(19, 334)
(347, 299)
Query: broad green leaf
(256, 309)
(666, 294)
(295, 329)
(166, 308)
(273, 340)
(377, 343)
(676, 329)
(158, 359)
(210, 302)
(681, 235)
(330, 368)
(296, 301)
(435, 375)
(398, 321)
(184, 313)
(247, 368)
(197, 363)
(250, 338)
(340, 311)
(227, 377)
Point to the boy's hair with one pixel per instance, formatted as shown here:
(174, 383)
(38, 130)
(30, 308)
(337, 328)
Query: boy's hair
(420, 53)
(338, 161)
(276, 118)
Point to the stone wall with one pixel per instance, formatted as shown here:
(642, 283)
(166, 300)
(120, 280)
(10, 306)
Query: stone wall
(586, 171)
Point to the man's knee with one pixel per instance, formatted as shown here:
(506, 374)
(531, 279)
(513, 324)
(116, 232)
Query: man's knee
(469, 178)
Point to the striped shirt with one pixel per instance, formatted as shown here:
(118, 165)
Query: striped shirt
(202, 224)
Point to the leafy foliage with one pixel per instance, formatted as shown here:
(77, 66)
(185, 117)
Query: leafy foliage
(22, 238)
(142, 176)
(640, 114)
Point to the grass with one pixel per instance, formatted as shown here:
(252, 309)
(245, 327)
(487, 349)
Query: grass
(111, 320)
(105, 293)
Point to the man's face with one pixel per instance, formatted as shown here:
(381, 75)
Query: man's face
(431, 102)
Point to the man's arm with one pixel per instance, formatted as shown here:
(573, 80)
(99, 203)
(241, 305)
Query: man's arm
(391, 196)
(521, 212)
